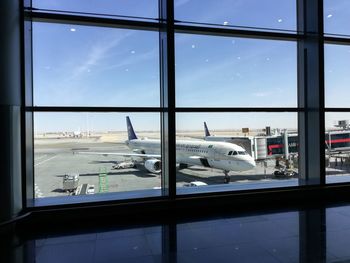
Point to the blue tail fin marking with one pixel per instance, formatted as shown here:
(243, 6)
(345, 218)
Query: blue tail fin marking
(206, 131)
(131, 132)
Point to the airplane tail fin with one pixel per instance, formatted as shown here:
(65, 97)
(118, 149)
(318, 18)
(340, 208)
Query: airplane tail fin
(206, 130)
(131, 132)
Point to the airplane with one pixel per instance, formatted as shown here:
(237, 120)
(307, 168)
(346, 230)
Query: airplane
(220, 155)
(242, 141)
(77, 134)
(74, 134)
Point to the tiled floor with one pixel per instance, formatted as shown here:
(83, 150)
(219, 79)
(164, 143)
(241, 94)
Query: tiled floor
(314, 235)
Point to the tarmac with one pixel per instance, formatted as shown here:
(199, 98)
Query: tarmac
(56, 157)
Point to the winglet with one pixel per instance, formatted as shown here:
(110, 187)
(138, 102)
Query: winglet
(206, 130)
(131, 132)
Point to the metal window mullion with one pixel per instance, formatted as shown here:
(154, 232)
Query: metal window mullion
(171, 98)
(322, 128)
(337, 40)
(238, 109)
(232, 32)
(337, 109)
(90, 21)
(91, 109)
(167, 67)
(28, 126)
(311, 92)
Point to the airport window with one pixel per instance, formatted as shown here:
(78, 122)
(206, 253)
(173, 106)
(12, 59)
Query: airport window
(337, 106)
(257, 153)
(337, 77)
(249, 72)
(336, 17)
(98, 74)
(77, 151)
(337, 145)
(248, 14)
(86, 106)
(94, 66)
(131, 9)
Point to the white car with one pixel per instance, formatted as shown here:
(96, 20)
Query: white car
(90, 190)
(195, 183)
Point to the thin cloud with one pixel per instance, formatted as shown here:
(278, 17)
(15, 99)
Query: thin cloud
(134, 59)
(98, 52)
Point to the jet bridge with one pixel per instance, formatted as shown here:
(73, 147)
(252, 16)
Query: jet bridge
(267, 147)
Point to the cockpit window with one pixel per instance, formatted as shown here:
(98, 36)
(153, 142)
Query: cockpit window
(242, 152)
(234, 153)
(230, 153)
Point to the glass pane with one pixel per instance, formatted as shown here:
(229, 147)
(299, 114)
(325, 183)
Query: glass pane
(236, 151)
(337, 147)
(236, 73)
(86, 156)
(139, 8)
(273, 14)
(336, 17)
(337, 77)
(94, 66)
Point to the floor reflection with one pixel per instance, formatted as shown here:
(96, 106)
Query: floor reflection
(313, 235)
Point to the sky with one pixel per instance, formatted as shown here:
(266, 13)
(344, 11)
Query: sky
(76, 65)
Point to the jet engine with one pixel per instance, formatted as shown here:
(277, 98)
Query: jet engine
(153, 166)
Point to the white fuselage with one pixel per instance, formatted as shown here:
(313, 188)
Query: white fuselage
(218, 138)
(220, 155)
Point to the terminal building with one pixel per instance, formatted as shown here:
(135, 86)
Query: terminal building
(272, 146)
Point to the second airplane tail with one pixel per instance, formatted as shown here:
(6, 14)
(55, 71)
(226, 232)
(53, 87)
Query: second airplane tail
(206, 130)
(131, 132)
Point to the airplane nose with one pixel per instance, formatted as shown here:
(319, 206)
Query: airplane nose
(251, 163)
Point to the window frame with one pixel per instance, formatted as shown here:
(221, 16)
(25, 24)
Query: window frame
(309, 37)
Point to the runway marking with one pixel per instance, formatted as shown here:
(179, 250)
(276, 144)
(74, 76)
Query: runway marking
(43, 156)
(46, 160)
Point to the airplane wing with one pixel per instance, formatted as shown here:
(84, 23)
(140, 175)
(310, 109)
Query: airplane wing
(141, 155)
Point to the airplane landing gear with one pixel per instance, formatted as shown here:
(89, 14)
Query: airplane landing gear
(227, 177)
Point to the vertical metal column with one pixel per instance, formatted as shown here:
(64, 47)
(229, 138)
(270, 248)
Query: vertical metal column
(27, 100)
(311, 92)
(167, 68)
(10, 109)
(286, 147)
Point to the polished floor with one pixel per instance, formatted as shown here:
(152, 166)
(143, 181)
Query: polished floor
(308, 235)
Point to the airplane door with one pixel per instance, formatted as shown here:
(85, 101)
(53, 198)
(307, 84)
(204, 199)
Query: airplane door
(216, 155)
